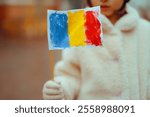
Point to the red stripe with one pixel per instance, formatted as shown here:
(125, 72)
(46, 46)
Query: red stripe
(92, 29)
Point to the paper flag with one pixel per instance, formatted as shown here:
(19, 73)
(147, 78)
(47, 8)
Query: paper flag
(74, 28)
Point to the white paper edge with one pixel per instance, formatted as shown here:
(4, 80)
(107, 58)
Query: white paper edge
(49, 12)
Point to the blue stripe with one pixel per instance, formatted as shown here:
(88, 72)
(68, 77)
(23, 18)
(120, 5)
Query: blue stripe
(59, 30)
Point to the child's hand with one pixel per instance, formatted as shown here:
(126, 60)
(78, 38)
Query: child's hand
(53, 90)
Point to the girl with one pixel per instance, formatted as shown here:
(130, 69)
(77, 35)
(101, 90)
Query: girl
(118, 70)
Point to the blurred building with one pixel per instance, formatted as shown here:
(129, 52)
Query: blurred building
(21, 17)
(24, 55)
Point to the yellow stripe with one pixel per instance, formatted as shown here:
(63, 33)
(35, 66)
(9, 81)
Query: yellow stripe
(76, 32)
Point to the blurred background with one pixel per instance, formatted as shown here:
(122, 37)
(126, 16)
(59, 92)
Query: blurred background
(24, 55)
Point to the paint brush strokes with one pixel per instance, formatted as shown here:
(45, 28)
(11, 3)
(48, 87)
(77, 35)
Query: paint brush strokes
(76, 22)
(92, 29)
(74, 28)
(59, 32)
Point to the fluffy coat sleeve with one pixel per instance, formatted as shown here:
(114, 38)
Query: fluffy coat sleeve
(67, 72)
(148, 32)
(149, 75)
(149, 71)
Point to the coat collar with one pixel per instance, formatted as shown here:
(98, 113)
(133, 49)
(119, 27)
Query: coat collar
(129, 21)
(126, 23)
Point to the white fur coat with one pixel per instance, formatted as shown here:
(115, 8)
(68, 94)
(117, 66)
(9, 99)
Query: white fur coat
(118, 70)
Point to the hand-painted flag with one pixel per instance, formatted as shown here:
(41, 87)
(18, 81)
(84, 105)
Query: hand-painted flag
(74, 28)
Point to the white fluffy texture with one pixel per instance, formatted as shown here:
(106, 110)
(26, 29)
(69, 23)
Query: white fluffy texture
(118, 70)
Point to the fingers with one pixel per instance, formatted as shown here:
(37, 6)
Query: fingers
(53, 91)
(53, 97)
(52, 84)
(53, 94)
